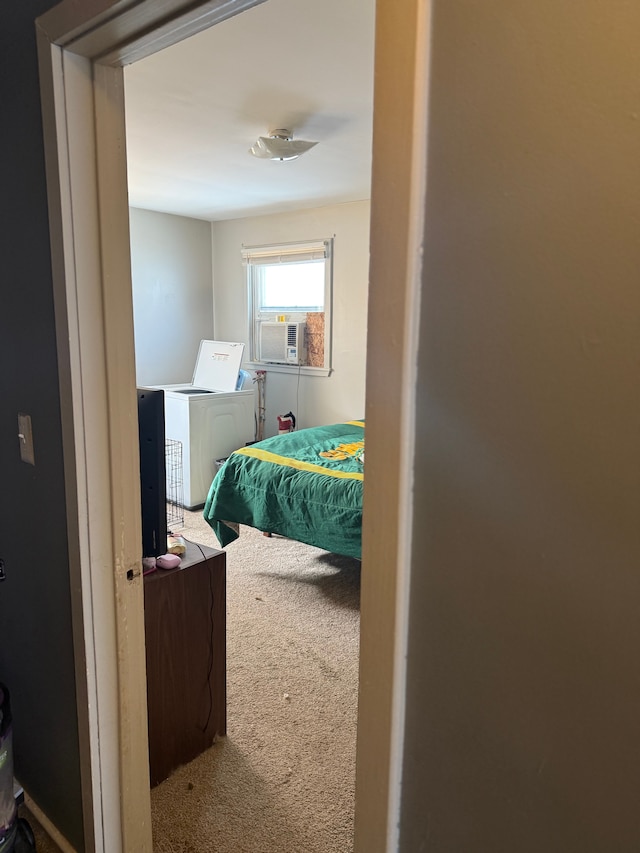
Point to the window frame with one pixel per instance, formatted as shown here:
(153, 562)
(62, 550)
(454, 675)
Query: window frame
(290, 252)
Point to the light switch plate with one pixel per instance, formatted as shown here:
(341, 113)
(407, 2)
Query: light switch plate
(25, 437)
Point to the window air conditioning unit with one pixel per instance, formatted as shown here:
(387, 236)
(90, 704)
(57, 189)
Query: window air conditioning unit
(282, 343)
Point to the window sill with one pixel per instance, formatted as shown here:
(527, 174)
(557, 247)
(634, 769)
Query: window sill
(293, 369)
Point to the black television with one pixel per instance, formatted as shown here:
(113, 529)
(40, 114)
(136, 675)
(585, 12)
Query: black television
(153, 486)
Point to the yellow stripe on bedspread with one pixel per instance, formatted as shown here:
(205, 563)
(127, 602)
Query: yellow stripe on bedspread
(266, 456)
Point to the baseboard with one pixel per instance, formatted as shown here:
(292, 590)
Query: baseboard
(48, 827)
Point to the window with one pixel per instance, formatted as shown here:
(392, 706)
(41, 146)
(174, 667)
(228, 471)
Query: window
(289, 289)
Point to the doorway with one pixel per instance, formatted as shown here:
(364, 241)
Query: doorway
(82, 52)
(174, 111)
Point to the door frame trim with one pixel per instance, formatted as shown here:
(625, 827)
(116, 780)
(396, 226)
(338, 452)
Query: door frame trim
(398, 196)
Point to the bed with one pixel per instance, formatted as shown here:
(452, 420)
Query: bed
(305, 485)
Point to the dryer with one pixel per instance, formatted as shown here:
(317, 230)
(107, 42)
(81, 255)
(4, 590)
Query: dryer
(208, 416)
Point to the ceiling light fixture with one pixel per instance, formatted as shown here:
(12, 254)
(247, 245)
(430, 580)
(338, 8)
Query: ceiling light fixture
(280, 145)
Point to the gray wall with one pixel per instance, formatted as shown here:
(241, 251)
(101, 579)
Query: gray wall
(36, 658)
(172, 283)
(524, 684)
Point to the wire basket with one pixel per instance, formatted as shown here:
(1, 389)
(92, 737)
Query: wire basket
(173, 464)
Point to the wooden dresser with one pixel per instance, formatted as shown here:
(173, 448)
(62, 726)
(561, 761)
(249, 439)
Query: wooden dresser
(185, 626)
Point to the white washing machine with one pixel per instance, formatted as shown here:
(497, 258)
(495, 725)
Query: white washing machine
(208, 416)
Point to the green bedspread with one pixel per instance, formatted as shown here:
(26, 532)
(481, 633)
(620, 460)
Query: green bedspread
(306, 485)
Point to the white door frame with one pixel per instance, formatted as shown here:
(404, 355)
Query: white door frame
(82, 47)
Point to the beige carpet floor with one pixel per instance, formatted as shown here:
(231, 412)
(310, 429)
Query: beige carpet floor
(282, 781)
(44, 844)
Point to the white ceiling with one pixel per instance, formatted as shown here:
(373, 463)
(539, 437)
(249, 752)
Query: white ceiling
(194, 109)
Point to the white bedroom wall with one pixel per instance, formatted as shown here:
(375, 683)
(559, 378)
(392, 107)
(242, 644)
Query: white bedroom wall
(171, 270)
(314, 400)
